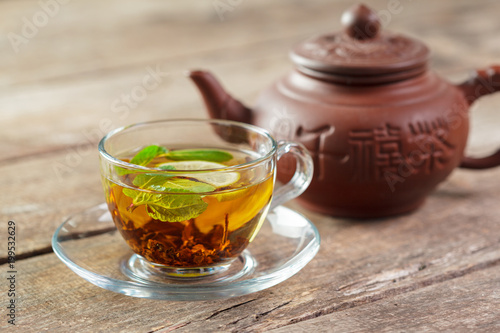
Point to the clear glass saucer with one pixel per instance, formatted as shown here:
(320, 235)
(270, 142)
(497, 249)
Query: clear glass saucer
(89, 244)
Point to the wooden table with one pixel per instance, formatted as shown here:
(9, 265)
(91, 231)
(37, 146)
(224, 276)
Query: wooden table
(61, 81)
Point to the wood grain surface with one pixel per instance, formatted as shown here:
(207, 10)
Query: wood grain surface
(433, 270)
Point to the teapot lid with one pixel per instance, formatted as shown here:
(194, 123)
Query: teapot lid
(361, 54)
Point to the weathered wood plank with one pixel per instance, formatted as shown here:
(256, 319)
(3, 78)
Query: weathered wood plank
(468, 303)
(114, 41)
(38, 197)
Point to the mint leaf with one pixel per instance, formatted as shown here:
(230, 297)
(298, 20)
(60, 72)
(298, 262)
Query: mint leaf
(164, 183)
(147, 154)
(211, 155)
(183, 198)
(169, 207)
(151, 181)
(122, 172)
(167, 167)
(177, 208)
(187, 185)
(143, 157)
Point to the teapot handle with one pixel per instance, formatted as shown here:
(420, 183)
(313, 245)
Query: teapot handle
(483, 82)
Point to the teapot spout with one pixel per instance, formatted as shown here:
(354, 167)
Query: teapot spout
(219, 103)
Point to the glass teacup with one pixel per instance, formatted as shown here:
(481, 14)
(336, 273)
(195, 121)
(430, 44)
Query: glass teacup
(188, 196)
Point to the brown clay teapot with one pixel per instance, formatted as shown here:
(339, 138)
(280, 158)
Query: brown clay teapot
(382, 128)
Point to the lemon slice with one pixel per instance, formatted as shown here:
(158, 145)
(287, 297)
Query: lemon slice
(217, 179)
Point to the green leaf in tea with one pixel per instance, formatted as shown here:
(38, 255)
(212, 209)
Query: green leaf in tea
(167, 167)
(165, 183)
(142, 158)
(147, 154)
(177, 208)
(169, 207)
(211, 155)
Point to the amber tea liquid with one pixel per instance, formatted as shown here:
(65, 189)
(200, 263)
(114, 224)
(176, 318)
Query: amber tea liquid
(232, 215)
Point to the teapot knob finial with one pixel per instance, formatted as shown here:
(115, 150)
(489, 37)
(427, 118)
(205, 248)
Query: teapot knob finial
(360, 22)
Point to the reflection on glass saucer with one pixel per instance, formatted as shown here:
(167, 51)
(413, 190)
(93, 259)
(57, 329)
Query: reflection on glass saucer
(89, 244)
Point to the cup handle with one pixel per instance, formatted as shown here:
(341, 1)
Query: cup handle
(483, 82)
(303, 173)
